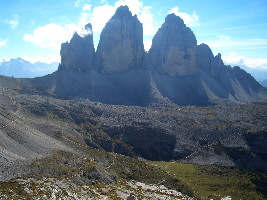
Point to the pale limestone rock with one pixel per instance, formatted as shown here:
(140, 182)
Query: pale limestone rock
(121, 43)
(173, 50)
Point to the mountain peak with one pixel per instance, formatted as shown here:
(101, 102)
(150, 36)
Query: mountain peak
(122, 11)
(174, 19)
(88, 26)
(173, 48)
(121, 43)
(78, 54)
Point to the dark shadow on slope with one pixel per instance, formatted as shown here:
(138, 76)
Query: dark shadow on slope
(148, 143)
(254, 158)
(182, 90)
(125, 88)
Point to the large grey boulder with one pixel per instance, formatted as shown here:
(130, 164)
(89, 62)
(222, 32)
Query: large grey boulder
(121, 43)
(78, 54)
(173, 50)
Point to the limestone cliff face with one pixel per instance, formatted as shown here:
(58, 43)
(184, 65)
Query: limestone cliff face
(206, 61)
(173, 50)
(78, 54)
(121, 43)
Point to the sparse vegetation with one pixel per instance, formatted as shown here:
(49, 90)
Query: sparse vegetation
(215, 182)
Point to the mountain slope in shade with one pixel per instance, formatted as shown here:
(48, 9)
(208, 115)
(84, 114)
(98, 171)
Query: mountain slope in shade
(20, 68)
(264, 83)
(258, 74)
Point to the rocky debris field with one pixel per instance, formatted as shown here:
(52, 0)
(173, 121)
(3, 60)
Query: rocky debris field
(90, 143)
(168, 132)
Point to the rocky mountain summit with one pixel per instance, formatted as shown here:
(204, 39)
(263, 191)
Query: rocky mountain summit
(173, 48)
(175, 70)
(78, 55)
(121, 43)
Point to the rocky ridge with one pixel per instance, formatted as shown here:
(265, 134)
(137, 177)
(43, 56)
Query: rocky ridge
(78, 54)
(121, 45)
(175, 70)
(173, 48)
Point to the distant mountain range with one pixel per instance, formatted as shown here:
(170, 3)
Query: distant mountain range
(258, 74)
(20, 68)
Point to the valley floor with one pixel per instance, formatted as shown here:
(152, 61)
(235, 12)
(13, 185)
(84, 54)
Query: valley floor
(77, 149)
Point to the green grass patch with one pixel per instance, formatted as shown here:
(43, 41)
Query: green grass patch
(216, 182)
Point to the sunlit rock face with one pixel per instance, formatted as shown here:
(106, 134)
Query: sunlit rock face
(121, 43)
(78, 54)
(173, 50)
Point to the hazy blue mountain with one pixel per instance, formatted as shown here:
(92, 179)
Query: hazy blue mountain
(264, 83)
(258, 74)
(20, 68)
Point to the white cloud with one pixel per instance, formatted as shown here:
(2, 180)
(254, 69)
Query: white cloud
(87, 7)
(224, 37)
(13, 22)
(101, 15)
(239, 43)
(45, 59)
(147, 44)
(235, 59)
(189, 20)
(146, 17)
(50, 35)
(53, 35)
(103, 1)
(78, 3)
(3, 42)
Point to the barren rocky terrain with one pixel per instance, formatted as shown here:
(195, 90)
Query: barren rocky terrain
(70, 139)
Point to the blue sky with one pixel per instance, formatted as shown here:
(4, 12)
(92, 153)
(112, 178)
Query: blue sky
(35, 29)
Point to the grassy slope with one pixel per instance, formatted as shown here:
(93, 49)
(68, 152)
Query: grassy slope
(217, 182)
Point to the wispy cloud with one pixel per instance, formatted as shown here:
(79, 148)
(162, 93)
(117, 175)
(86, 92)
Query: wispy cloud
(3, 42)
(238, 43)
(13, 22)
(52, 35)
(189, 20)
(78, 3)
(45, 59)
(235, 59)
(87, 7)
(224, 37)
(101, 14)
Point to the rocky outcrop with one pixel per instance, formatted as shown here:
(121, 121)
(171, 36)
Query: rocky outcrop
(78, 54)
(121, 43)
(173, 48)
(204, 58)
(206, 61)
